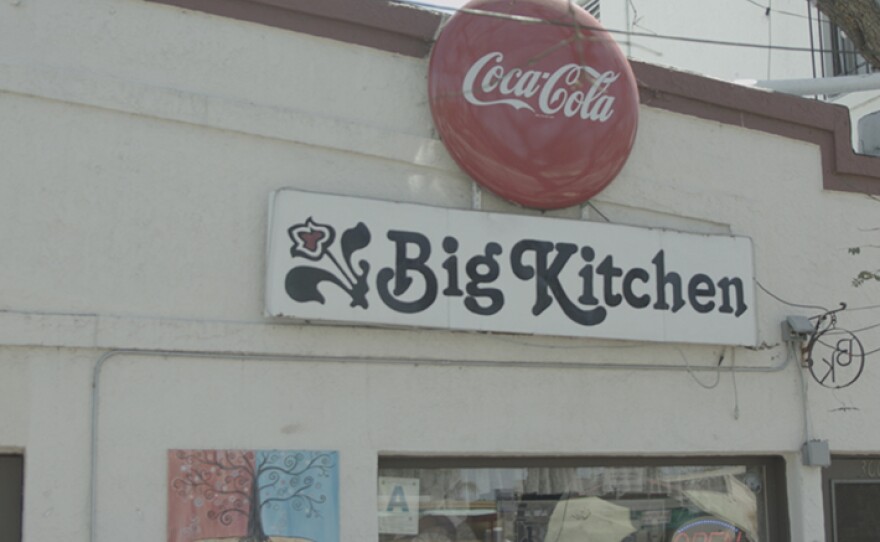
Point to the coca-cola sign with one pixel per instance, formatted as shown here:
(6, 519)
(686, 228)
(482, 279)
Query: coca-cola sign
(533, 100)
(343, 259)
(553, 93)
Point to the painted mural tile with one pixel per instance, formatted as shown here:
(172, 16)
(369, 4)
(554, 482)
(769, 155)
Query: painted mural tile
(253, 496)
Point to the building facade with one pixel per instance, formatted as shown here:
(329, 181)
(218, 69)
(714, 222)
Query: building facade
(141, 143)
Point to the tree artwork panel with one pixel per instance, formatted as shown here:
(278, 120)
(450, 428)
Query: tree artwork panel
(253, 496)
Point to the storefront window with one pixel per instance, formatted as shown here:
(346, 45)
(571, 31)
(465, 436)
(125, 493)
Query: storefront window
(11, 479)
(852, 497)
(554, 500)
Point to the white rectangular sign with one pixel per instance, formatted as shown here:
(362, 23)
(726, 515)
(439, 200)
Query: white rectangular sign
(398, 505)
(345, 259)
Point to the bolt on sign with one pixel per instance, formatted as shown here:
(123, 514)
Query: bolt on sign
(533, 99)
(344, 259)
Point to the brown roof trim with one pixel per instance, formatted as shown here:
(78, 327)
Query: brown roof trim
(826, 125)
(373, 23)
(411, 31)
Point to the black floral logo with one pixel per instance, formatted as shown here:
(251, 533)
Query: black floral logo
(314, 241)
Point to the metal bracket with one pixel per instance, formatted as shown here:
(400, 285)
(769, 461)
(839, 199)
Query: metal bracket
(476, 197)
(798, 330)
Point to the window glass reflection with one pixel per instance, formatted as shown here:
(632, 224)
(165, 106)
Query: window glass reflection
(705, 503)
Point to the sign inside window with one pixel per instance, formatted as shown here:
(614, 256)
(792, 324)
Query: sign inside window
(709, 530)
(398, 505)
(353, 260)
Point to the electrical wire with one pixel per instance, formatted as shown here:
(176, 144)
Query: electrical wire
(504, 339)
(784, 302)
(733, 378)
(803, 306)
(669, 37)
(841, 331)
(600, 213)
(693, 375)
(866, 308)
(771, 9)
(805, 402)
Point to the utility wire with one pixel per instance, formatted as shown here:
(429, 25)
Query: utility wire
(840, 331)
(600, 213)
(866, 308)
(770, 9)
(784, 302)
(669, 37)
(803, 306)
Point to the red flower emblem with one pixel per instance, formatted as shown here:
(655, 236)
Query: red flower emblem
(310, 240)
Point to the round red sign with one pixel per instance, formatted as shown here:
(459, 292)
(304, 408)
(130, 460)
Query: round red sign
(533, 99)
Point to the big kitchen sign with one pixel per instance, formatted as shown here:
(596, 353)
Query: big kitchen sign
(343, 259)
(533, 99)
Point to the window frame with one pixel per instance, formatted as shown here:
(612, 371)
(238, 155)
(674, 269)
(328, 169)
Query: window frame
(15, 474)
(776, 489)
(845, 469)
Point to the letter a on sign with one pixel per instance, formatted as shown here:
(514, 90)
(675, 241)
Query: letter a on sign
(398, 505)
(398, 498)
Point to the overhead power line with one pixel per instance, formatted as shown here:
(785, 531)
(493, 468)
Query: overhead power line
(668, 37)
(769, 9)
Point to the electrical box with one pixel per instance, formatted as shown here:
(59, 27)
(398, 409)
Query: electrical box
(816, 453)
(797, 328)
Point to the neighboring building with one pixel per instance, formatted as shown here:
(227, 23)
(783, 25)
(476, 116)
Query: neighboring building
(816, 48)
(740, 22)
(141, 142)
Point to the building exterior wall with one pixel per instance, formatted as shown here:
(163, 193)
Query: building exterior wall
(140, 144)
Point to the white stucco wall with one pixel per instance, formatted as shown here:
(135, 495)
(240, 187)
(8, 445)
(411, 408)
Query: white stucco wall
(140, 143)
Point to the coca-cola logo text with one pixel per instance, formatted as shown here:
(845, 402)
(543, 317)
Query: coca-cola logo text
(571, 89)
(543, 115)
